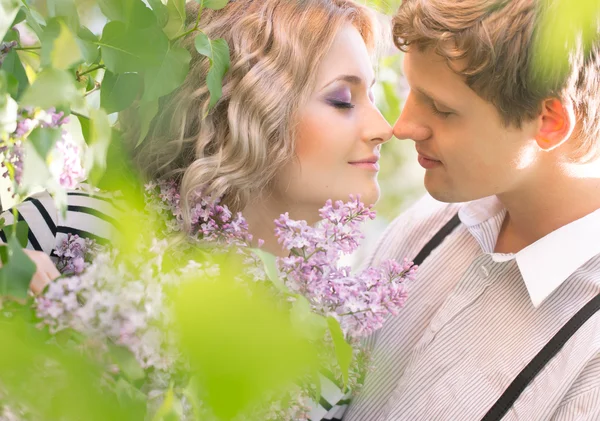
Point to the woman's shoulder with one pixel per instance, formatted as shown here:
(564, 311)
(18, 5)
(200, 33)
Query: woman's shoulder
(88, 213)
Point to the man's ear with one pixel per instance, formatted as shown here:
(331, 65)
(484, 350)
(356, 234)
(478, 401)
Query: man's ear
(557, 123)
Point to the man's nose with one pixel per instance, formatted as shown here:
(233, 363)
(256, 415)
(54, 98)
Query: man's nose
(411, 123)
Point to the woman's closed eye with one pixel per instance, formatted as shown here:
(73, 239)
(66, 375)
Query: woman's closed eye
(340, 104)
(340, 99)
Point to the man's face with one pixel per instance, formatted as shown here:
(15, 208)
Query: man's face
(462, 142)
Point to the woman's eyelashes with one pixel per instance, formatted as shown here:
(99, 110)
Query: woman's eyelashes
(340, 104)
(340, 99)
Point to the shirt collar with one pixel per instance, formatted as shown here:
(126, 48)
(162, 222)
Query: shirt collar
(545, 264)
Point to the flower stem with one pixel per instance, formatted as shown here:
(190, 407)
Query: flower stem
(90, 70)
(194, 29)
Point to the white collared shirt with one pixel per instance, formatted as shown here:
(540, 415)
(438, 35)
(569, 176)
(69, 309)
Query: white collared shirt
(475, 318)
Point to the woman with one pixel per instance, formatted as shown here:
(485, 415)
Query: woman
(296, 125)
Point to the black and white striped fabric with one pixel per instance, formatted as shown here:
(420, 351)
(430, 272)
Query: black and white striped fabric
(89, 214)
(333, 402)
(474, 319)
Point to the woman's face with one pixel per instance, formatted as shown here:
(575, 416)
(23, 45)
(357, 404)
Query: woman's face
(339, 132)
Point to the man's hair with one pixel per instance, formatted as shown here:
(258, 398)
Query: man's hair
(501, 42)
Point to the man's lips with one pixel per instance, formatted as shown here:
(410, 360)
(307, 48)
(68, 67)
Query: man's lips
(427, 161)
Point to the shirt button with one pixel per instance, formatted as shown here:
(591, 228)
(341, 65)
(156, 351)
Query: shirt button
(484, 272)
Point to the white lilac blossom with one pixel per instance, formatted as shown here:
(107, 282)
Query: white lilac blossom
(111, 302)
(64, 159)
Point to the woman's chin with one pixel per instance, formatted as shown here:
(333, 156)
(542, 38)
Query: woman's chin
(368, 196)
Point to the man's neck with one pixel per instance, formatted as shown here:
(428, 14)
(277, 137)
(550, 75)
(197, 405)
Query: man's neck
(553, 202)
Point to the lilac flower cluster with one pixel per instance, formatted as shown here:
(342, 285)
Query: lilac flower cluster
(210, 221)
(359, 302)
(109, 302)
(64, 160)
(125, 304)
(75, 254)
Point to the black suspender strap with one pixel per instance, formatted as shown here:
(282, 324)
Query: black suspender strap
(519, 384)
(436, 240)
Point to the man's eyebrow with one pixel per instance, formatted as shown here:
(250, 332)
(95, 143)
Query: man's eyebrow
(432, 98)
(352, 79)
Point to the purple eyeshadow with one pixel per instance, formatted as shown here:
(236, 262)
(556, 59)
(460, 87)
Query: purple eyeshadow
(342, 95)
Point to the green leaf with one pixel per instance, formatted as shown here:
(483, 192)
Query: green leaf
(8, 13)
(98, 142)
(311, 325)
(116, 9)
(20, 17)
(343, 351)
(191, 393)
(65, 52)
(176, 14)
(169, 75)
(160, 11)
(12, 86)
(212, 4)
(254, 347)
(134, 13)
(119, 91)
(52, 88)
(127, 363)
(34, 20)
(65, 9)
(36, 174)
(146, 113)
(20, 230)
(270, 265)
(132, 50)
(316, 378)
(44, 139)
(85, 126)
(87, 42)
(166, 407)
(50, 32)
(13, 66)
(218, 53)
(17, 272)
(76, 377)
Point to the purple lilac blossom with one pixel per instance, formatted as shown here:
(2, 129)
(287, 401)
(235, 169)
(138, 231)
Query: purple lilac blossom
(65, 158)
(360, 302)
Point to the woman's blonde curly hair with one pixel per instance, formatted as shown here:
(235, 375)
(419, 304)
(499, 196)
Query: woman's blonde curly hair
(235, 150)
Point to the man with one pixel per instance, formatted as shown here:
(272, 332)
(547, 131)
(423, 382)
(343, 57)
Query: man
(510, 143)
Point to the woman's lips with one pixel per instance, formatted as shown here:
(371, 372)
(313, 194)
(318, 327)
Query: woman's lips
(373, 166)
(370, 163)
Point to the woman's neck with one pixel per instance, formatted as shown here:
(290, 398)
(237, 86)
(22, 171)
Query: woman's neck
(261, 214)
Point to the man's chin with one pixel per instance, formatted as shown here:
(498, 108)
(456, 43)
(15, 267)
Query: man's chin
(447, 194)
